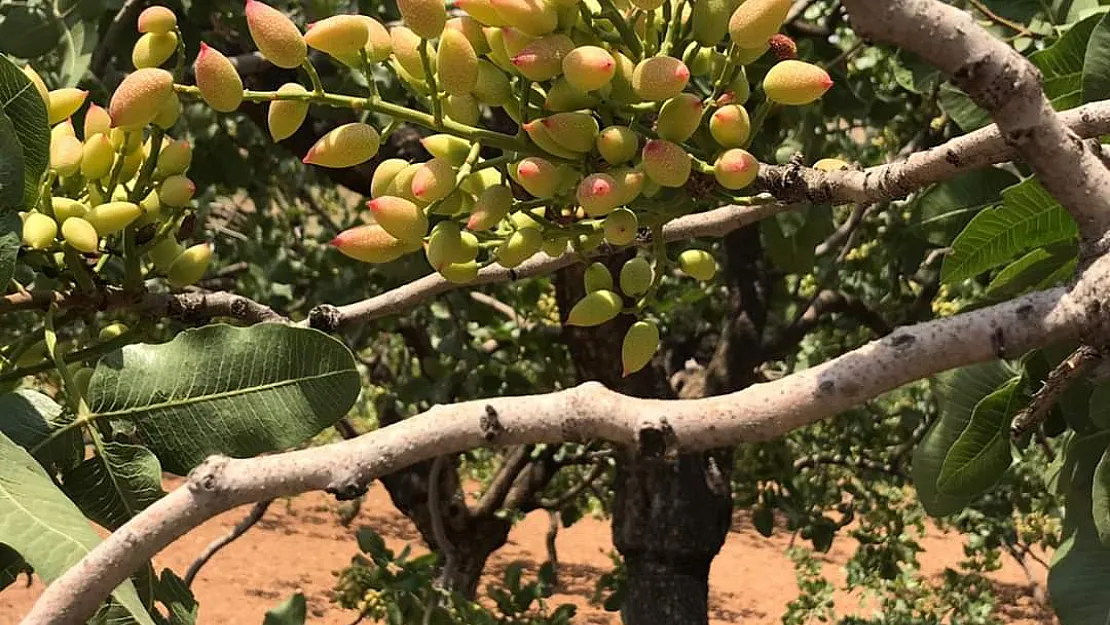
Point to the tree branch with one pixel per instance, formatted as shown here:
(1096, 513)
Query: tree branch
(653, 427)
(247, 522)
(514, 462)
(1059, 379)
(190, 306)
(825, 303)
(1002, 81)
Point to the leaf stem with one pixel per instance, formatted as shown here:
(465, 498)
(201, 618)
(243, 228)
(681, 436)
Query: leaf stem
(429, 75)
(609, 11)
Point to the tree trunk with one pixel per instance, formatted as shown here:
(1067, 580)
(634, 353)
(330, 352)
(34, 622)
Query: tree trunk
(671, 514)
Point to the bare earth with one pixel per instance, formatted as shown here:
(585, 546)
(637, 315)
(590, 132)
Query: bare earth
(300, 543)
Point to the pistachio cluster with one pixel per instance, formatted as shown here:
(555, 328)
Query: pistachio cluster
(119, 189)
(630, 113)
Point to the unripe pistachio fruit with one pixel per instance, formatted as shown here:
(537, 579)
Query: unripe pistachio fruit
(519, 247)
(595, 309)
(636, 277)
(588, 68)
(65, 155)
(483, 11)
(698, 264)
(434, 180)
(97, 157)
(97, 121)
(81, 379)
(533, 17)
(450, 148)
(176, 191)
(730, 126)
(576, 132)
(563, 97)
(338, 35)
(540, 135)
(754, 21)
(666, 163)
(190, 266)
(111, 217)
(735, 169)
(598, 194)
(492, 87)
(660, 78)
(462, 108)
(384, 174)
(537, 175)
(456, 61)
(62, 103)
(219, 83)
(64, 208)
(460, 273)
(40, 86)
(399, 217)
(490, 208)
(597, 278)
(620, 227)
(165, 252)
(137, 99)
(679, 117)
(425, 17)
(39, 231)
(371, 244)
(639, 346)
(168, 113)
(80, 235)
(447, 245)
(543, 59)
(286, 116)
(174, 158)
(406, 49)
(277, 37)
(472, 30)
(796, 83)
(111, 331)
(153, 49)
(157, 19)
(346, 146)
(710, 20)
(617, 144)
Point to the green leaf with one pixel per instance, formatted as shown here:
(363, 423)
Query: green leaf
(11, 235)
(11, 172)
(1080, 569)
(1027, 218)
(1062, 65)
(27, 417)
(1032, 270)
(791, 240)
(1100, 499)
(1096, 64)
(946, 208)
(178, 599)
(20, 101)
(220, 389)
(958, 392)
(45, 528)
(28, 31)
(979, 457)
(292, 612)
(115, 484)
(967, 115)
(11, 566)
(79, 43)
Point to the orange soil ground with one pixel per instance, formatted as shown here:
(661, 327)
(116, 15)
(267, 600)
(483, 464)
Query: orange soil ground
(300, 542)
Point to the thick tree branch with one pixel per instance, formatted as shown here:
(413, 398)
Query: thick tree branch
(1059, 379)
(590, 411)
(1002, 81)
(827, 302)
(513, 463)
(190, 306)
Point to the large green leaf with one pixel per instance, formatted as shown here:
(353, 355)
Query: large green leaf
(178, 599)
(1080, 570)
(958, 393)
(1099, 407)
(21, 102)
(79, 42)
(27, 417)
(291, 612)
(791, 240)
(28, 31)
(981, 454)
(960, 107)
(221, 389)
(1033, 270)
(45, 528)
(115, 484)
(11, 229)
(1100, 498)
(12, 166)
(947, 207)
(1028, 218)
(1062, 65)
(1096, 65)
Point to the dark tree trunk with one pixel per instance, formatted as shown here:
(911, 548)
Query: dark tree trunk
(671, 515)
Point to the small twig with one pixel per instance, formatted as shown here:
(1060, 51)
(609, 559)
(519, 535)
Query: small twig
(554, 504)
(215, 546)
(998, 19)
(443, 544)
(124, 18)
(1059, 379)
(511, 467)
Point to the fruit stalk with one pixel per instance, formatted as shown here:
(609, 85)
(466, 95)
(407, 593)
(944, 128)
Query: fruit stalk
(313, 77)
(610, 12)
(429, 75)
